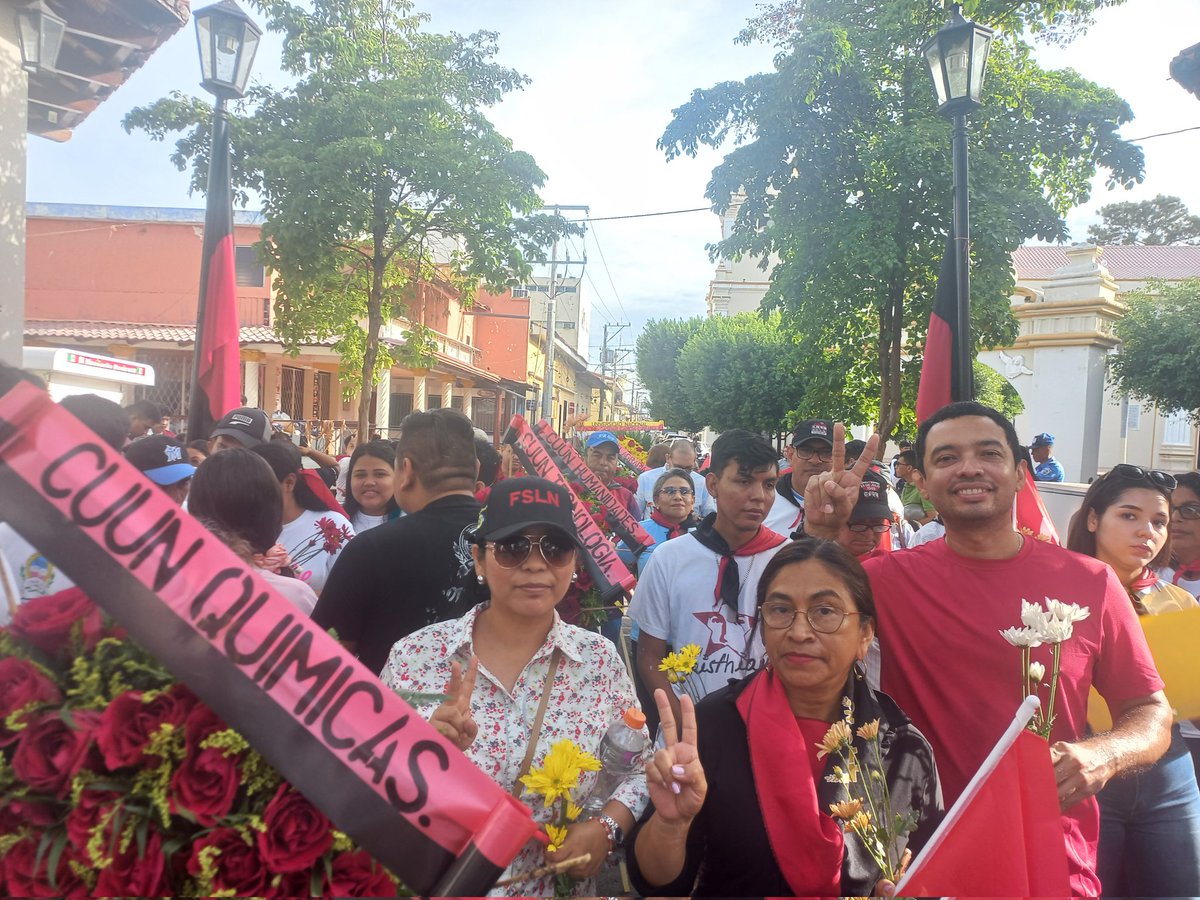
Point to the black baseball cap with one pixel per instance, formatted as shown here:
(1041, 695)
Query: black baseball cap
(813, 429)
(515, 504)
(161, 459)
(247, 425)
(872, 502)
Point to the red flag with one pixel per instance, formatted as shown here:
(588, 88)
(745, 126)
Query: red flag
(1004, 835)
(216, 371)
(1029, 512)
(941, 366)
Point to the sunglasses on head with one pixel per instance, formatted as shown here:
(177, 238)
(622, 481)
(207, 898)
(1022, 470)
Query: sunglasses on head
(1164, 480)
(511, 552)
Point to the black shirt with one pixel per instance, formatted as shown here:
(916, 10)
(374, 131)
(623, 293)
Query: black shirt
(401, 576)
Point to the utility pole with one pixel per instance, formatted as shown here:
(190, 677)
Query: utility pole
(547, 411)
(604, 364)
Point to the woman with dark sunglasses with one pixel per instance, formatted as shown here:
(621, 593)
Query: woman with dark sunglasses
(1150, 820)
(516, 675)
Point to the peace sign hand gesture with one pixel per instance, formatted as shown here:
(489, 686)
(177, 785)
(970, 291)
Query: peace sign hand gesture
(829, 498)
(453, 718)
(674, 776)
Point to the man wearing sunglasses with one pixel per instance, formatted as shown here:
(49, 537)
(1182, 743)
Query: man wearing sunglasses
(1047, 468)
(808, 452)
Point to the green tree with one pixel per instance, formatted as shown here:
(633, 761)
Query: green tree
(1159, 357)
(845, 165)
(994, 390)
(658, 349)
(378, 170)
(1163, 220)
(732, 370)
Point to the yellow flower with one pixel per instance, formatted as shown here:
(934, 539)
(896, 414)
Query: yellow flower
(837, 737)
(557, 835)
(869, 731)
(861, 822)
(847, 809)
(680, 664)
(573, 811)
(560, 771)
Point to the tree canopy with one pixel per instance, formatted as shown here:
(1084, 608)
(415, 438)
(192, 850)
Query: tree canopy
(846, 170)
(1159, 356)
(658, 348)
(378, 171)
(1163, 220)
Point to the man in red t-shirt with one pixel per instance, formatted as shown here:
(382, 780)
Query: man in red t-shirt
(941, 607)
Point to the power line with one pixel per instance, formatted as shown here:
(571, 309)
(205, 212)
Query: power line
(611, 283)
(668, 212)
(1163, 134)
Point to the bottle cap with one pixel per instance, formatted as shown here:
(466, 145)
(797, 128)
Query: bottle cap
(635, 718)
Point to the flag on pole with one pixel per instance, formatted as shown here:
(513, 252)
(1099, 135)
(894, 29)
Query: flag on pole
(1029, 511)
(216, 371)
(1004, 835)
(939, 383)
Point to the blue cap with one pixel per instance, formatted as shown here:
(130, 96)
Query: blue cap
(1045, 439)
(601, 437)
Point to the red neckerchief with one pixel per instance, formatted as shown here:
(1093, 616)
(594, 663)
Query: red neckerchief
(674, 529)
(1148, 579)
(787, 794)
(1189, 572)
(728, 584)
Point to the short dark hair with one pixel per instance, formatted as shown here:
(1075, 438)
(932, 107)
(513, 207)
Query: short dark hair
(284, 459)
(237, 491)
(749, 450)
(843, 563)
(1101, 494)
(384, 450)
(668, 475)
(145, 409)
(489, 460)
(441, 445)
(657, 455)
(907, 456)
(201, 446)
(109, 421)
(11, 376)
(1189, 480)
(957, 411)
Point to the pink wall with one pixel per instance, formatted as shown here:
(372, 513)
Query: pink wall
(504, 341)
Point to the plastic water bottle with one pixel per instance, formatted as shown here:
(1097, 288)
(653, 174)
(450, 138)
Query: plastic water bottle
(621, 755)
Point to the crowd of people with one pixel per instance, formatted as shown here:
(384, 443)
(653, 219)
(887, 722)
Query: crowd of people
(817, 589)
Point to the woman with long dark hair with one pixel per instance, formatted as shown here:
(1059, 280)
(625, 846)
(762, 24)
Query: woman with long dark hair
(369, 499)
(1149, 820)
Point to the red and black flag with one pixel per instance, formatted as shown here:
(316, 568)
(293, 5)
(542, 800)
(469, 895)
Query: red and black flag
(941, 371)
(216, 371)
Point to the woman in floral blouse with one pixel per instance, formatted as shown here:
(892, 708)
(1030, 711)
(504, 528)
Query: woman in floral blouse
(495, 663)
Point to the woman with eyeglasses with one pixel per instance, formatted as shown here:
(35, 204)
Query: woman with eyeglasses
(518, 679)
(740, 802)
(1150, 820)
(673, 498)
(1184, 570)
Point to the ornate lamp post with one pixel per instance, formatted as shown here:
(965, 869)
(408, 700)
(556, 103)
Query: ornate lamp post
(957, 57)
(40, 32)
(227, 39)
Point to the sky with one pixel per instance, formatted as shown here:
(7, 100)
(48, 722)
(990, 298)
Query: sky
(604, 79)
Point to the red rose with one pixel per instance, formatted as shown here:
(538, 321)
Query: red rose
(23, 881)
(136, 875)
(93, 806)
(20, 811)
(297, 833)
(128, 723)
(21, 685)
(201, 722)
(296, 884)
(356, 874)
(238, 869)
(50, 752)
(205, 785)
(49, 623)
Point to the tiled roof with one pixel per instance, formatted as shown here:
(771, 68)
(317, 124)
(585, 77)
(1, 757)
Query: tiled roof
(139, 331)
(1126, 262)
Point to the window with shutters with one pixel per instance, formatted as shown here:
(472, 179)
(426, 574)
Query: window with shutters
(249, 272)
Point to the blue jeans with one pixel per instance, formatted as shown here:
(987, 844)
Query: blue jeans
(1150, 829)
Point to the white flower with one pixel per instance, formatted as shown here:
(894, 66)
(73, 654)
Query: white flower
(1033, 616)
(1055, 631)
(1022, 637)
(1037, 671)
(1067, 612)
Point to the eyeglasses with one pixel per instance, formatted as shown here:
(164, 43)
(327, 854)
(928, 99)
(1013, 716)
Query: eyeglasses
(1164, 480)
(821, 453)
(1187, 511)
(677, 492)
(877, 527)
(512, 552)
(822, 619)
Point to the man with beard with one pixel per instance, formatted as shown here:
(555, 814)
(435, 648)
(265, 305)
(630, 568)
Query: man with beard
(809, 452)
(942, 605)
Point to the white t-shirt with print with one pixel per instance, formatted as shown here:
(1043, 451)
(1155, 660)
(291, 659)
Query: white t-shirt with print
(314, 540)
(675, 601)
(361, 522)
(35, 575)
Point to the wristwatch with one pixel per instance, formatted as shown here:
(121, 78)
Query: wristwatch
(616, 836)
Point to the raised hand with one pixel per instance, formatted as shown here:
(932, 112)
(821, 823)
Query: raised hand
(674, 776)
(829, 498)
(453, 718)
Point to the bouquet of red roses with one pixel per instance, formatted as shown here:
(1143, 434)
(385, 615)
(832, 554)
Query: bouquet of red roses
(115, 780)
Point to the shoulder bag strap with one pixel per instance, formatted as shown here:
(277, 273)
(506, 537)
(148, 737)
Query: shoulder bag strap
(555, 659)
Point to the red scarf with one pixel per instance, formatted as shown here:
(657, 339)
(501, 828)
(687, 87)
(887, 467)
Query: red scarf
(809, 857)
(1189, 572)
(728, 585)
(317, 485)
(1148, 579)
(674, 529)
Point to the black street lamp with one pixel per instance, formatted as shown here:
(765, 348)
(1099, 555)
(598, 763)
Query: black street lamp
(957, 57)
(40, 32)
(227, 39)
